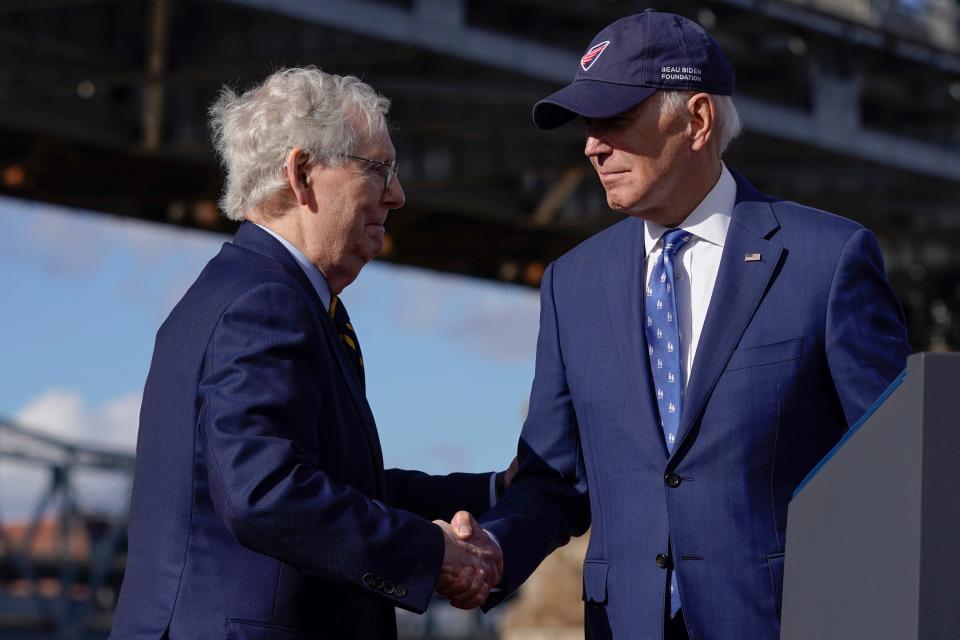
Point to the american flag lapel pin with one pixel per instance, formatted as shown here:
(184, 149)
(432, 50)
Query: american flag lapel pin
(752, 257)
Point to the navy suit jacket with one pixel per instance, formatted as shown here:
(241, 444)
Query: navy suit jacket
(795, 347)
(261, 508)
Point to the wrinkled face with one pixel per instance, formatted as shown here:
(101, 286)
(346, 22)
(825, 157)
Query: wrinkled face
(641, 158)
(353, 207)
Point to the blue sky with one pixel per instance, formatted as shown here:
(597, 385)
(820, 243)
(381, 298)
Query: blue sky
(449, 360)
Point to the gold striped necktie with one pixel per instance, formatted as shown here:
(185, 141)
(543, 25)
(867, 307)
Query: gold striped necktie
(341, 320)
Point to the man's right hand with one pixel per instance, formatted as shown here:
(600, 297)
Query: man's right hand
(472, 562)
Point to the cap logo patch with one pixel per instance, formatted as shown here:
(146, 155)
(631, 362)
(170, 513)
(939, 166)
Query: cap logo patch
(592, 54)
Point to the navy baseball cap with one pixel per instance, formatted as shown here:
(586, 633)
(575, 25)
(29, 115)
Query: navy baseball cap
(632, 59)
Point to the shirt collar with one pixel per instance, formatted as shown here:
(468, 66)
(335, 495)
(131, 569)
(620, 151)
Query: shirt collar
(313, 273)
(709, 221)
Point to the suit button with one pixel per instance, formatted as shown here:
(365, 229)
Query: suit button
(400, 591)
(663, 561)
(673, 480)
(367, 579)
(389, 587)
(378, 583)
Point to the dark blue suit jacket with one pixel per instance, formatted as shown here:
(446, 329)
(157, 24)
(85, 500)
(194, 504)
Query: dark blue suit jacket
(261, 508)
(796, 346)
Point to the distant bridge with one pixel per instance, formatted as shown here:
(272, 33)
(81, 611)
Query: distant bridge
(61, 565)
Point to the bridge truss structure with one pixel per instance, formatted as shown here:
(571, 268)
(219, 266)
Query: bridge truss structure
(61, 562)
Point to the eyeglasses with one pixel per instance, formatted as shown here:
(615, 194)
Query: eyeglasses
(389, 173)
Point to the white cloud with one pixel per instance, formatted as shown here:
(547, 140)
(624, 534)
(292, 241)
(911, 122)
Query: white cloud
(64, 413)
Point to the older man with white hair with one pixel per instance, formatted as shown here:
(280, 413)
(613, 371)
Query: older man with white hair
(261, 508)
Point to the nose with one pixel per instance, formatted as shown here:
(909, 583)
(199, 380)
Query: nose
(595, 147)
(394, 197)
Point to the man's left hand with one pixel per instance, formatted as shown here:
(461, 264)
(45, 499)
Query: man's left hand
(467, 586)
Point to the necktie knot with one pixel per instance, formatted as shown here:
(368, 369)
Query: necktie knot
(674, 239)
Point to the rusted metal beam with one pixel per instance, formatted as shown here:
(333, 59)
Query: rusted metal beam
(159, 27)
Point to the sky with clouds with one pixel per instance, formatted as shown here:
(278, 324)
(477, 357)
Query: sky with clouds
(449, 360)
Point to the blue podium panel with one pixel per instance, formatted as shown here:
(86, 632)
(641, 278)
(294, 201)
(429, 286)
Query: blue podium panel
(873, 533)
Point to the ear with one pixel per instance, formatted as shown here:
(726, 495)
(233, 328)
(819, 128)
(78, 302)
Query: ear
(297, 171)
(702, 112)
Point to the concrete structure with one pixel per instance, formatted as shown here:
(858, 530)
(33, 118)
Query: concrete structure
(872, 540)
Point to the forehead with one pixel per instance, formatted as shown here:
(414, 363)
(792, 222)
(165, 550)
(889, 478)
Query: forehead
(625, 123)
(645, 109)
(379, 146)
(644, 121)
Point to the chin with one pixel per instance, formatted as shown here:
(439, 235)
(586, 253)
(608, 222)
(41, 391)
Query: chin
(628, 202)
(620, 206)
(373, 252)
(368, 252)
(616, 200)
(369, 246)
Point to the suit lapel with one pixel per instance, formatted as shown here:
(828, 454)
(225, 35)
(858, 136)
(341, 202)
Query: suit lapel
(738, 291)
(250, 236)
(623, 282)
(352, 381)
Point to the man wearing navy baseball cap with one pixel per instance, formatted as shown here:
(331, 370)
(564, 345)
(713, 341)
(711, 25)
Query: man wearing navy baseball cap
(695, 361)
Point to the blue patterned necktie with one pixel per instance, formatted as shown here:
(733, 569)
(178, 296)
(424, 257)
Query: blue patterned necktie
(663, 347)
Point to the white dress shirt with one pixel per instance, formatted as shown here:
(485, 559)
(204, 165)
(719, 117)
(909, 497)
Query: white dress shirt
(695, 271)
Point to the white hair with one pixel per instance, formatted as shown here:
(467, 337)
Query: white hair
(728, 120)
(325, 114)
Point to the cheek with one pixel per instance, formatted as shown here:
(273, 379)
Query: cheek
(361, 234)
(654, 171)
(361, 210)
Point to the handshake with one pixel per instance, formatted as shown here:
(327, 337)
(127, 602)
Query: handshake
(472, 562)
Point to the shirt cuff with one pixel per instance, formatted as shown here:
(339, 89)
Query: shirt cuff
(490, 535)
(494, 538)
(493, 489)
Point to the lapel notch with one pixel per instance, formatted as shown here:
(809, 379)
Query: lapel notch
(740, 287)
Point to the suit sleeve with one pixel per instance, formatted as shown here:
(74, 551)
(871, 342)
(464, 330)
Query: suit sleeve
(438, 497)
(866, 339)
(547, 502)
(260, 421)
